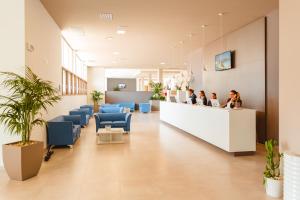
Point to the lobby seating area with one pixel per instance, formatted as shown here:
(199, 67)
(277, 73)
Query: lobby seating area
(160, 100)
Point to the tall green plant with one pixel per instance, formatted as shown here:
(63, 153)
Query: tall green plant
(157, 89)
(27, 98)
(273, 157)
(96, 96)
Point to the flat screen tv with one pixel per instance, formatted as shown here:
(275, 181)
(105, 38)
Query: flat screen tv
(121, 85)
(224, 61)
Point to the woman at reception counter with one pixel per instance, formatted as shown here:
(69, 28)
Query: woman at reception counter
(192, 97)
(234, 100)
(202, 98)
(214, 102)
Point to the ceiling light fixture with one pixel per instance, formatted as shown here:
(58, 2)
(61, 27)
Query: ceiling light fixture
(162, 63)
(220, 14)
(116, 53)
(106, 16)
(203, 26)
(121, 30)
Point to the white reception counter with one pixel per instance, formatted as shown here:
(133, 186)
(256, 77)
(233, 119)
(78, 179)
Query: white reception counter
(231, 130)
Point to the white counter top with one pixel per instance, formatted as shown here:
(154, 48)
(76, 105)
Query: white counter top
(233, 130)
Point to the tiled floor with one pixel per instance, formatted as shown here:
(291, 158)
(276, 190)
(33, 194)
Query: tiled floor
(156, 162)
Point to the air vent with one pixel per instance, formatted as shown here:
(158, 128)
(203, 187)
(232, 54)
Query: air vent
(106, 16)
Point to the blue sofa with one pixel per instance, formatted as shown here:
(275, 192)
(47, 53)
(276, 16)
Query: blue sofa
(116, 120)
(109, 105)
(90, 107)
(84, 115)
(112, 109)
(63, 130)
(130, 105)
(145, 107)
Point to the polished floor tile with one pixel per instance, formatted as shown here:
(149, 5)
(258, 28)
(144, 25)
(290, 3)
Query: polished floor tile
(156, 162)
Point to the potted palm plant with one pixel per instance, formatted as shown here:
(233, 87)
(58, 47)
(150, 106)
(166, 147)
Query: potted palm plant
(272, 179)
(157, 95)
(21, 110)
(96, 96)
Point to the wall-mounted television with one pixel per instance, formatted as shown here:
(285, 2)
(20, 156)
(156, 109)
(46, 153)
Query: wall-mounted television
(224, 61)
(121, 85)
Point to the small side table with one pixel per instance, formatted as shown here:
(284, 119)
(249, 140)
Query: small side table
(110, 136)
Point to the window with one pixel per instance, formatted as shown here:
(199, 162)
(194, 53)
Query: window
(74, 72)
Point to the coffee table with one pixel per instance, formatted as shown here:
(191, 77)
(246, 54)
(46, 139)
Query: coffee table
(110, 136)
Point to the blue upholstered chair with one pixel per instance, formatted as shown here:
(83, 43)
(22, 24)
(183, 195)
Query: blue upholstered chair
(90, 107)
(63, 130)
(84, 115)
(112, 109)
(116, 120)
(130, 105)
(145, 107)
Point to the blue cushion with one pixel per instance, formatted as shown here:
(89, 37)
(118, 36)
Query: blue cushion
(119, 123)
(106, 123)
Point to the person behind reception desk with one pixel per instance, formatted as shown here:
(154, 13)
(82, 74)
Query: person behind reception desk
(234, 101)
(192, 97)
(202, 98)
(214, 102)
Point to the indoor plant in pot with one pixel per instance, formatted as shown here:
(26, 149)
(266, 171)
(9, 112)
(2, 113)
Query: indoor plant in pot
(96, 96)
(21, 110)
(157, 95)
(272, 179)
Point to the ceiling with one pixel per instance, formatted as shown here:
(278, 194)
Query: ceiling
(158, 31)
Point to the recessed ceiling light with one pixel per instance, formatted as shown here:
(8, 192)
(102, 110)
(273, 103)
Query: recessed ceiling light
(106, 16)
(203, 26)
(162, 63)
(121, 30)
(220, 14)
(116, 53)
(109, 38)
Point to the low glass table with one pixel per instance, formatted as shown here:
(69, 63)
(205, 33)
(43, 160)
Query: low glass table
(110, 136)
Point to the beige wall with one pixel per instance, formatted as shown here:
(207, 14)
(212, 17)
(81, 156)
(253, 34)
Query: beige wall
(196, 65)
(289, 81)
(272, 78)
(43, 33)
(12, 51)
(248, 75)
(96, 81)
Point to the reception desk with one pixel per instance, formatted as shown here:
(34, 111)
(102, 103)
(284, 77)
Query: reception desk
(231, 130)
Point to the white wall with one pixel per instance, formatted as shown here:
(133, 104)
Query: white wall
(195, 64)
(12, 51)
(289, 70)
(96, 81)
(43, 33)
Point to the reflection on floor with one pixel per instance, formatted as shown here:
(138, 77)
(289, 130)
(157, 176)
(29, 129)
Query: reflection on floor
(156, 162)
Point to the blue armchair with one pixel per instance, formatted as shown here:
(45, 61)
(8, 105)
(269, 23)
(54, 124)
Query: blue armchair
(63, 130)
(90, 107)
(84, 115)
(130, 105)
(116, 120)
(112, 109)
